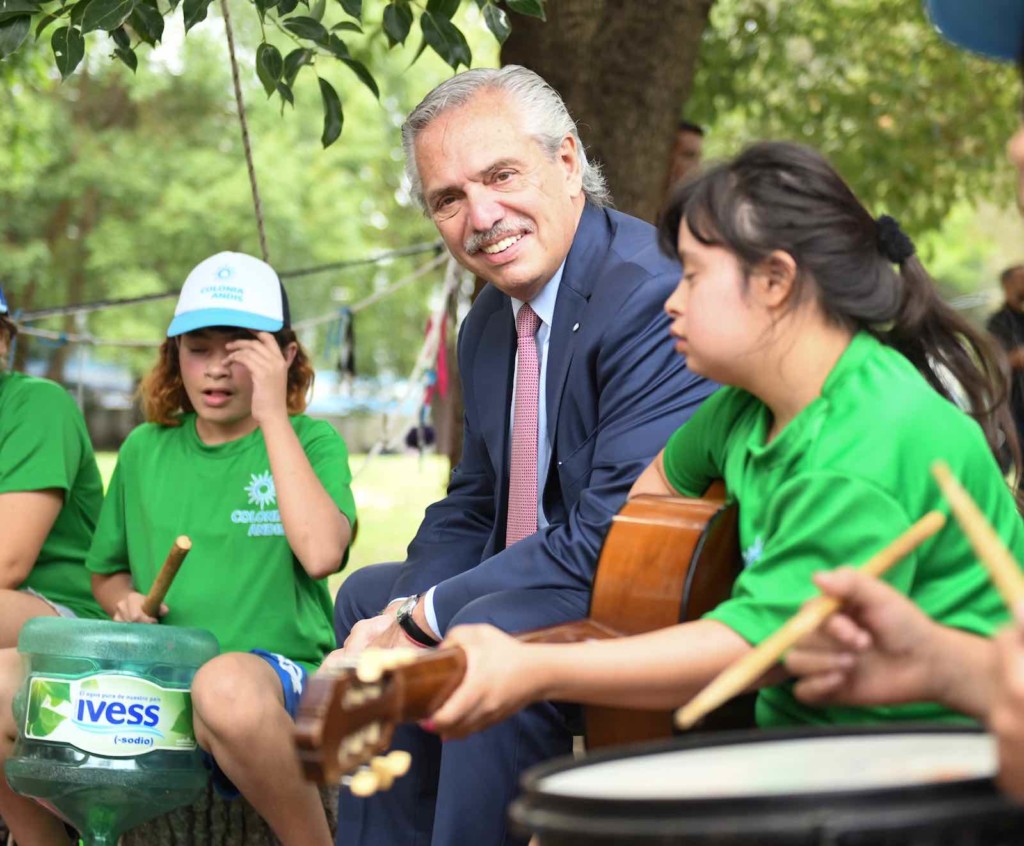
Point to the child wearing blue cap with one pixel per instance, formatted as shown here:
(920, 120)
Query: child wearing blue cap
(882, 649)
(50, 497)
(229, 459)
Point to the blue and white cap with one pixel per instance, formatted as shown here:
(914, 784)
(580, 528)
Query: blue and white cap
(231, 289)
(3, 303)
(994, 28)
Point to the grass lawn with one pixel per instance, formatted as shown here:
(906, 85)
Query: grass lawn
(391, 494)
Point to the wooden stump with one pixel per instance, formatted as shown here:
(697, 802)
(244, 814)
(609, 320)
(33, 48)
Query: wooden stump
(214, 821)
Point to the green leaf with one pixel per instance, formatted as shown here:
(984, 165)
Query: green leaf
(533, 8)
(497, 22)
(16, 8)
(446, 40)
(333, 117)
(285, 90)
(353, 8)
(127, 55)
(45, 722)
(106, 14)
(12, 33)
(121, 39)
(294, 62)
(147, 22)
(337, 46)
(183, 722)
(78, 12)
(347, 26)
(360, 70)
(445, 8)
(305, 27)
(58, 691)
(397, 23)
(269, 66)
(316, 11)
(194, 11)
(45, 21)
(286, 7)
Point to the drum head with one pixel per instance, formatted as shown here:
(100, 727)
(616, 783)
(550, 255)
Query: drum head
(815, 787)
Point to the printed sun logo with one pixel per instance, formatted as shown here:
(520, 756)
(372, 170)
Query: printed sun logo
(261, 490)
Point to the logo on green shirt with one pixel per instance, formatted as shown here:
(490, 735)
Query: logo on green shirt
(261, 490)
(752, 554)
(261, 493)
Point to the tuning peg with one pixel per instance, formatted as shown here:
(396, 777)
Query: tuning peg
(398, 762)
(371, 734)
(364, 783)
(374, 662)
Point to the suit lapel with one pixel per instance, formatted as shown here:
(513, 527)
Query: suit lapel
(582, 269)
(492, 377)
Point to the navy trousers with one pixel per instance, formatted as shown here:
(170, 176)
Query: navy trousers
(457, 793)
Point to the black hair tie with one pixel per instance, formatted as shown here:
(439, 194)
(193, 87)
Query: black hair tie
(893, 242)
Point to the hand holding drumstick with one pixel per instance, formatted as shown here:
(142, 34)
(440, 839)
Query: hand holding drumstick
(881, 649)
(134, 607)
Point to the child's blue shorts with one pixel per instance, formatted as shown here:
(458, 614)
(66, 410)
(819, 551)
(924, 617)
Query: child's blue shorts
(293, 681)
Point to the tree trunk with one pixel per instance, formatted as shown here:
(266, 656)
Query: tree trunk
(213, 821)
(625, 70)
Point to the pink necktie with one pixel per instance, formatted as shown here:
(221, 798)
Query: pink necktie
(522, 484)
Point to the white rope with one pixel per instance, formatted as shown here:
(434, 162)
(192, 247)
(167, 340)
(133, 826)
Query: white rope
(454, 276)
(420, 272)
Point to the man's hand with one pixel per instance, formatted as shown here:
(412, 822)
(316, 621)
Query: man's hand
(380, 632)
(1016, 358)
(129, 610)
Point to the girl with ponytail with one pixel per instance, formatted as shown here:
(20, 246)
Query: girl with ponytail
(844, 375)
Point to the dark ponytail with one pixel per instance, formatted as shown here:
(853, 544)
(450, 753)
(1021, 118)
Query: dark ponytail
(782, 196)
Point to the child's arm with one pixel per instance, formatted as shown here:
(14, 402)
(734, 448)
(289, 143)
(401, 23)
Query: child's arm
(27, 517)
(881, 649)
(660, 669)
(317, 531)
(117, 596)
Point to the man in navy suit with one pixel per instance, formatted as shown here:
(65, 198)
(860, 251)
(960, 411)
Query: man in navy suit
(497, 163)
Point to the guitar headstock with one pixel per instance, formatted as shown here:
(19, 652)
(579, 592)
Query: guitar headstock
(348, 714)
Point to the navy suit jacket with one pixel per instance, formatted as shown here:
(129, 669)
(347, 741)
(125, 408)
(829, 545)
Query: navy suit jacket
(616, 390)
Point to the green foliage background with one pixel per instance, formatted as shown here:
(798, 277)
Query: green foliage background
(130, 181)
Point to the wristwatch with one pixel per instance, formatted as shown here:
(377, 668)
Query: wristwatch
(408, 625)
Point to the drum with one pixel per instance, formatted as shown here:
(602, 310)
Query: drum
(920, 786)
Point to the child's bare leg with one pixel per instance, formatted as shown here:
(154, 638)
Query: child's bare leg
(29, 822)
(16, 609)
(240, 719)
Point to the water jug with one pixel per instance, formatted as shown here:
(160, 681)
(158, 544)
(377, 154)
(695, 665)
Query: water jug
(104, 721)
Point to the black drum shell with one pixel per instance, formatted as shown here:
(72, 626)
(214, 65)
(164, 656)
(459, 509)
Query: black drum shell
(968, 812)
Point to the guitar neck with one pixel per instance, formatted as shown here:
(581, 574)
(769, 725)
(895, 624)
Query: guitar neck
(342, 722)
(429, 680)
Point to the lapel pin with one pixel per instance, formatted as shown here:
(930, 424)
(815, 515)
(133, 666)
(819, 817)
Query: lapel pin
(575, 327)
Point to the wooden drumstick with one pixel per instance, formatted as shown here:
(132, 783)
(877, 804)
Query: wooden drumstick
(1003, 569)
(180, 548)
(739, 675)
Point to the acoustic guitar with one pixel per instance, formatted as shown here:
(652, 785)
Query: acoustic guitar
(665, 560)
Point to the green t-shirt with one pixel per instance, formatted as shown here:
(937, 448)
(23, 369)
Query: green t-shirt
(241, 580)
(44, 445)
(844, 478)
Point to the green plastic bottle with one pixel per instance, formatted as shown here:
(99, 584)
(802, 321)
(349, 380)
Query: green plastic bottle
(105, 721)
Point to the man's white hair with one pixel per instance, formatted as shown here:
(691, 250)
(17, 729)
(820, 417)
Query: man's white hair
(547, 120)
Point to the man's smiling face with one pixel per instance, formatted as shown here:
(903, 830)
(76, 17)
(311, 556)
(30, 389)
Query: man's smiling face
(507, 211)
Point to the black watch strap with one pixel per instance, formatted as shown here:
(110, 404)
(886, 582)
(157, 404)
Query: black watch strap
(409, 626)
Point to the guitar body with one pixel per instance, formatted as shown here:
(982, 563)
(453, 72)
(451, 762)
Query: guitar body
(666, 560)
